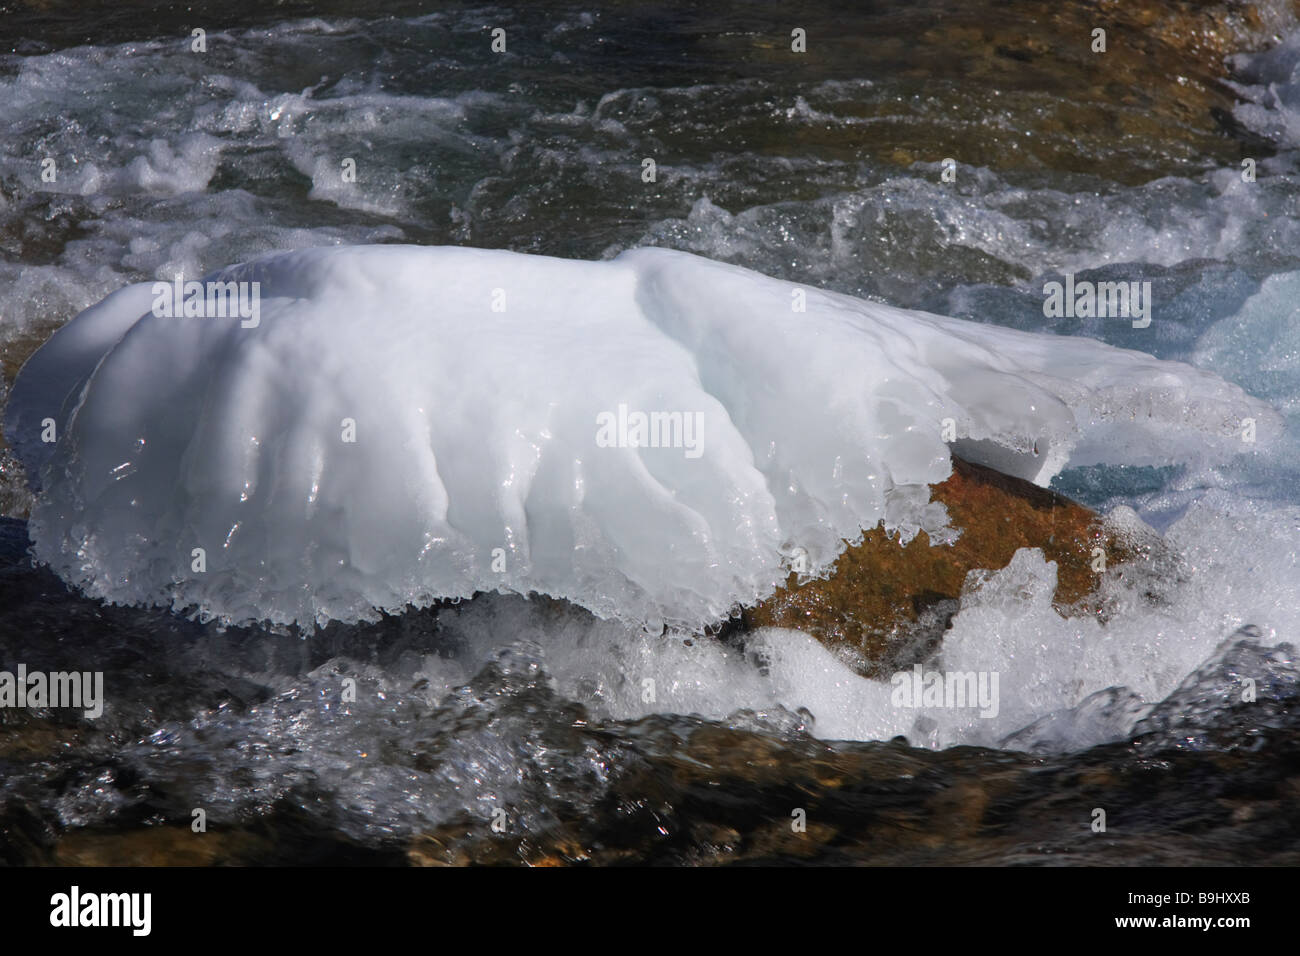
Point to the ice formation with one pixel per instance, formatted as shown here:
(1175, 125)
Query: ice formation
(649, 437)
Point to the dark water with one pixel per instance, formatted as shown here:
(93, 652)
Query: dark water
(249, 726)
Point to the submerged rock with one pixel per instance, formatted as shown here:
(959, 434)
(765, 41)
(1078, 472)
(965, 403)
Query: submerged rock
(1029, 85)
(885, 605)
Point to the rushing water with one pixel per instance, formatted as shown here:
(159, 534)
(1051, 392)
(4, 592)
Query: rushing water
(600, 742)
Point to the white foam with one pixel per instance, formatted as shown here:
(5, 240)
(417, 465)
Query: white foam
(1235, 564)
(1270, 87)
(477, 438)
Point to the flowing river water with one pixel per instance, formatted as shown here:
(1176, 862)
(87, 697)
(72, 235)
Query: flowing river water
(824, 167)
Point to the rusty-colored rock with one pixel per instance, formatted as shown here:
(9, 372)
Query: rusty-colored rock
(887, 604)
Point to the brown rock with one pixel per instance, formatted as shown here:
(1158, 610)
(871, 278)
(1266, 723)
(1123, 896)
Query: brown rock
(886, 605)
(154, 846)
(1018, 86)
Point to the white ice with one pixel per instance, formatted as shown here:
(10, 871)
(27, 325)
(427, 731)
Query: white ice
(476, 385)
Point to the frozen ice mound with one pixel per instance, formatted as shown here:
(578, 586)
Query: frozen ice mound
(650, 437)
